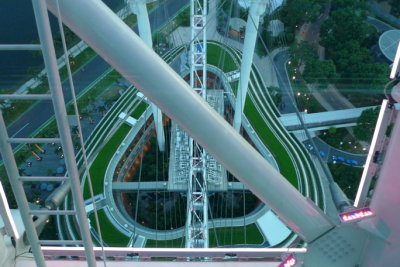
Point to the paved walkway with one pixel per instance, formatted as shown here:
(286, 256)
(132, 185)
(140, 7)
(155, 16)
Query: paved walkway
(334, 118)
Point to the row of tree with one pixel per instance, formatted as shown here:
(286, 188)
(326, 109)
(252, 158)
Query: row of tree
(348, 39)
(297, 12)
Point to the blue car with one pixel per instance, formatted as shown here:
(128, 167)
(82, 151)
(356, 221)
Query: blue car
(322, 153)
(354, 162)
(340, 159)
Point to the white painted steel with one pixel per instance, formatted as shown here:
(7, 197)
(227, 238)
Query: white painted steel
(26, 96)
(150, 74)
(19, 193)
(60, 113)
(367, 174)
(33, 140)
(395, 64)
(140, 9)
(257, 8)
(176, 252)
(6, 215)
(15, 47)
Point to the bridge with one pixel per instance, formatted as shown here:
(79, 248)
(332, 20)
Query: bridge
(324, 120)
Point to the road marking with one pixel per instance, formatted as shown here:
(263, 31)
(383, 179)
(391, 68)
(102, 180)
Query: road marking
(20, 130)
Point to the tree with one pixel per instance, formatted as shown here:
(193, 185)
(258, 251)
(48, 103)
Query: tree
(332, 130)
(319, 71)
(366, 124)
(347, 177)
(296, 12)
(395, 7)
(302, 52)
(349, 55)
(349, 4)
(344, 25)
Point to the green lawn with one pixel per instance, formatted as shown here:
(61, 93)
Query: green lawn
(111, 235)
(227, 236)
(173, 243)
(139, 110)
(99, 166)
(220, 58)
(271, 141)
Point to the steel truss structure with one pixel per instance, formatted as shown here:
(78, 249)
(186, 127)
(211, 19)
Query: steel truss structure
(197, 201)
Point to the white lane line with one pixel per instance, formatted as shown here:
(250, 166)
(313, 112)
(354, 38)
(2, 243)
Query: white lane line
(20, 129)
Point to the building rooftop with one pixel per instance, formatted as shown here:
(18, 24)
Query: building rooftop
(388, 42)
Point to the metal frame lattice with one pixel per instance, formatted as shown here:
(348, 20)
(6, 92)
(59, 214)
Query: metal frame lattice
(60, 114)
(197, 213)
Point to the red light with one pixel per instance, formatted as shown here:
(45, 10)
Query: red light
(356, 214)
(288, 262)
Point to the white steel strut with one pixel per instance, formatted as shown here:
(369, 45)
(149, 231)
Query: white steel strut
(140, 9)
(256, 9)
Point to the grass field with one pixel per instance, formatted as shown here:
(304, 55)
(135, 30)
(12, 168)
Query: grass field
(269, 139)
(99, 166)
(228, 236)
(111, 235)
(220, 58)
(173, 243)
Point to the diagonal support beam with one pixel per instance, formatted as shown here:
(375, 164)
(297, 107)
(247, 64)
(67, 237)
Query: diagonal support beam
(256, 9)
(159, 82)
(140, 9)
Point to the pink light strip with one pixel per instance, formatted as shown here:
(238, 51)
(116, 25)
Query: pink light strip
(356, 215)
(288, 262)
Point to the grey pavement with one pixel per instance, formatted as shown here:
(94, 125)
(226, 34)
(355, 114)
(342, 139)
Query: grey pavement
(336, 118)
(52, 158)
(287, 103)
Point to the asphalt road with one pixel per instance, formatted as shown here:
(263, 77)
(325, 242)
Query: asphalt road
(328, 152)
(287, 105)
(284, 83)
(379, 25)
(375, 8)
(29, 122)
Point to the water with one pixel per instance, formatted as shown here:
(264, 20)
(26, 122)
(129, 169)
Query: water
(17, 26)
